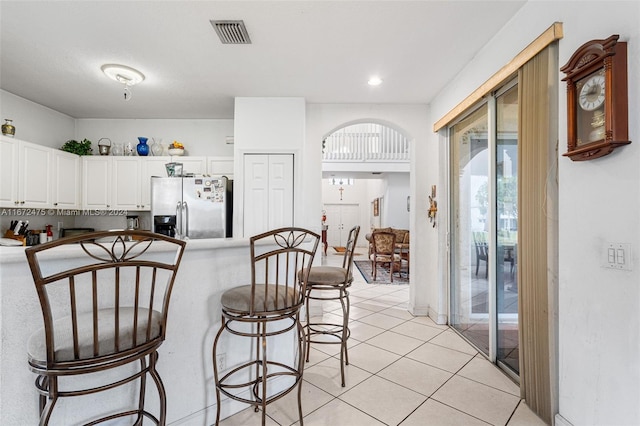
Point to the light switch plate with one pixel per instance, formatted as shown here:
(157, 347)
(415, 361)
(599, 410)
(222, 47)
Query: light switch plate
(617, 256)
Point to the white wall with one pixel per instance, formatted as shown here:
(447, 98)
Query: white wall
(276, 125)
(201, 137)
(36, 123)
(599, 319)
(395, 201)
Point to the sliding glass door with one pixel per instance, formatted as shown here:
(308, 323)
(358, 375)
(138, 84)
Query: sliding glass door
(484, 222)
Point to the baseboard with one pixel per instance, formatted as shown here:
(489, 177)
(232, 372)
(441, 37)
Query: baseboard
(418, 311)
(561, 421)
(228, 407)
(440, 319)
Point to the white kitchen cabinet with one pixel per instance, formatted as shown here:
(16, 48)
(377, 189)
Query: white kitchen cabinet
(220, 166)
(66, 181)
(152, 166)
(9, 172)
(126, 183)
(26, 173)
(34, 190)
(195, 165)
(96, 182)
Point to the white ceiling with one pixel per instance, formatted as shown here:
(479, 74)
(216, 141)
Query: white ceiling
(323, 51)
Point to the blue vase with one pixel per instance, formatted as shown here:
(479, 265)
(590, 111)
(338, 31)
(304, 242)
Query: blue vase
(142, 148)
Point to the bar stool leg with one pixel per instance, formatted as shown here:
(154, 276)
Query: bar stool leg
(153, 359)
(215, 369)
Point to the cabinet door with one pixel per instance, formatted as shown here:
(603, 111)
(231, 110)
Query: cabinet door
(96, 182)
(220, 166)
(125, 193)
(35, 169)
(8, 172)
(195, 165)
(151, 167)
(66, 180)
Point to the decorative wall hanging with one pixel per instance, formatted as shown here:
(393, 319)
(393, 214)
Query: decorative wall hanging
(433, 206)
(597, 104)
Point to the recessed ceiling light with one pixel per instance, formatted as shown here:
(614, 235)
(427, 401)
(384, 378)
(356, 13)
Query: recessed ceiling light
(375, 81)
(123, 74)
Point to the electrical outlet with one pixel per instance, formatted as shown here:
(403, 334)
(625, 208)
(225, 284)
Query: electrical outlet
(221, 361)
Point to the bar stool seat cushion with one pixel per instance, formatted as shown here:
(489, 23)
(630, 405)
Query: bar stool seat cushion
(329, 275)
(238, 299)
(36, 347)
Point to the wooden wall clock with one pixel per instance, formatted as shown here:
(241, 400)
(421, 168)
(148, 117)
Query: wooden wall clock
(597, 106)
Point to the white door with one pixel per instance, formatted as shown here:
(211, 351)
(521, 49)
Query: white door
(340, 219)
(268, 192)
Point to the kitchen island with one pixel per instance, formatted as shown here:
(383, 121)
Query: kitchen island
(209, 267)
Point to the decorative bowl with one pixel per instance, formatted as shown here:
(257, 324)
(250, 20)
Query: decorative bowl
(176, 151)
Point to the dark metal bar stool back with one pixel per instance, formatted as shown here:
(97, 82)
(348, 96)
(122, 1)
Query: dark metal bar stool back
(104, 299)
(332, 283)
(267, 308)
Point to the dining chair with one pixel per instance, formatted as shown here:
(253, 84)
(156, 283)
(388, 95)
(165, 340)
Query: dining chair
(482, 251)
(384, 252)
(266, 308)
(330, 283)
(104, 299)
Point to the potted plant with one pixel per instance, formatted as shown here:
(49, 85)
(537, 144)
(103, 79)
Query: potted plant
(79, 148)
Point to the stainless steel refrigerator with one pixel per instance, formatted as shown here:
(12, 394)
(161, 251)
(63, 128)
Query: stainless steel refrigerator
(192, 207)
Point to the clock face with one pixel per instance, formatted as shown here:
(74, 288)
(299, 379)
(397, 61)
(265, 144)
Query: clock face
(591, 94)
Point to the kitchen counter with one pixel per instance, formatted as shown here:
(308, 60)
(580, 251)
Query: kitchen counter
(209, 267)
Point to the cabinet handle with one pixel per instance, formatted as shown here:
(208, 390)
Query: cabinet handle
(21, 202)
(55, 204)
(16, 202)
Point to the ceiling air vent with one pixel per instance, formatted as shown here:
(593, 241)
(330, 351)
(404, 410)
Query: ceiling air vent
(231, 32)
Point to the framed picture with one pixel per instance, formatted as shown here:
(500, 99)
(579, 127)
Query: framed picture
(376, 206)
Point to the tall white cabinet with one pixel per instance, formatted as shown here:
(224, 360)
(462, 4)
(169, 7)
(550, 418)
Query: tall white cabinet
(268, 192)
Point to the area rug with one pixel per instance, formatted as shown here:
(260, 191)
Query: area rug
(340, 251)
(383, 277)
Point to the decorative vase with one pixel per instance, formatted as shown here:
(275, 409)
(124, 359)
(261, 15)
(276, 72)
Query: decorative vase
(142, 148)
(8, 129)
(156, 146)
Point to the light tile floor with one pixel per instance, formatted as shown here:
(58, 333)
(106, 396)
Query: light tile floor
(403, 370)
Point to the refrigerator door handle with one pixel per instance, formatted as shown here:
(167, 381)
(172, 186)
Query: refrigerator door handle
(179, 219)
(185, 209)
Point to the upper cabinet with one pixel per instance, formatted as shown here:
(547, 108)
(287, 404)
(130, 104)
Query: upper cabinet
(27, 170)
(36, 176)
(96, 183)
(220, 166)
(66, 180)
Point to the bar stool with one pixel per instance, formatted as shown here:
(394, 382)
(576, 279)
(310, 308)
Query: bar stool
(103, 309)
(268, 307)
(324, 282)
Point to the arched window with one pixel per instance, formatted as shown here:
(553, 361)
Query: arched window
(366, 142)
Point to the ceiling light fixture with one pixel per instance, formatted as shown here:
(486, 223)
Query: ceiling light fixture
(125, 75)
(375, 81)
